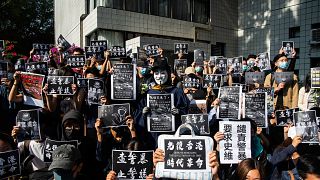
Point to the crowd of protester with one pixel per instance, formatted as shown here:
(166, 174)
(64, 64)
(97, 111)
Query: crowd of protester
(65, 118)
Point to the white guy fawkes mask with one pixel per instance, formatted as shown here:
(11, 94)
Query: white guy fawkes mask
(160, 76)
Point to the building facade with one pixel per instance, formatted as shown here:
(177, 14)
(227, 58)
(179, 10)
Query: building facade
(219, 27)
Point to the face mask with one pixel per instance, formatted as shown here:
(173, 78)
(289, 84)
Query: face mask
(284, 65)
(72, 134)
(198, 69)
(160, 76)
(250, 63)
(144, 71)
(244, 68)
(99, 67)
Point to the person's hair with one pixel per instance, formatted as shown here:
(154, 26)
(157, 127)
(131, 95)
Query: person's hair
(176, 79)
(245, 166)
(8, 139)
(78, 49)
(252, 56)
(308, 164)
(134, 145)
(275, 59)
(307, 83)
(92, 70)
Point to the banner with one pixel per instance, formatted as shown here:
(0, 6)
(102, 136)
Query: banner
(95, 90)
(114, 115)
(37, 67)
(76, 61)
(255, 108)
(230, 102)
(32, 89)
(181, 48)
(200, 121)
(306, 126)
(123, 82)
(60, 85)
(117, 52)
(28, 121)
(10, 164)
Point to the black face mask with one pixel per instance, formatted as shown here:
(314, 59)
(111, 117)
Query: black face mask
(72, 134)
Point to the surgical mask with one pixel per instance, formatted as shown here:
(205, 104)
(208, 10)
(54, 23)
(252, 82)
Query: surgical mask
(244, 68)
(144, 71)
(198, 69)
(99, 67)
(284, 65)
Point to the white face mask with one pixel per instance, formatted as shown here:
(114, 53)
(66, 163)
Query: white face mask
(160, 76)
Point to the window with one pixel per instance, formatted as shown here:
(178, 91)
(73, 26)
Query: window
(116, 4)
(141, 6)
(218, 49)
(160, 8)
(181, 9)
(201, 11)
(294, 32)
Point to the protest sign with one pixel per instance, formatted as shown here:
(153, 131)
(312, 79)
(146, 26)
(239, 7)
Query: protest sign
(284, 117)
(28, 121)
(53, 72)
(94, 51)
(123, 82)
(200, 121)
(263, 61)
(287, 47)
(41, 49)
(236, 145)
(114, 115)
(132, 164)
(283, 77)
(82, 83)
(270, 96)
(151, 49)
(181, 48)
(198, 57)
(222, 64)
(191, 82)
(76, 61)
(214, 81)
(198, 107)
(37, 67)
(306, 126)
(161, 118)
(230, 102)
(95, 90)
(32, 89)
(255, 108)
(62, 42)
(103, 43)
(254, 77)
(60, 85)
(117, 52)
(180, 66)
(236, 64)
(10, 164)
(315, 77)
(51, 145)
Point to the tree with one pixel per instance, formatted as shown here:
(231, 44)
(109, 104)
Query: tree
(27, 22)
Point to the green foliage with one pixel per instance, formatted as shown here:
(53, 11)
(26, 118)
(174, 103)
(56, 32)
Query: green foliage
(27, 22)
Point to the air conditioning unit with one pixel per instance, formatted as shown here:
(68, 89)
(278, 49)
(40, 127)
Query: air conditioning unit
(315, 36)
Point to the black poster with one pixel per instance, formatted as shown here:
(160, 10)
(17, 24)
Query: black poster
(28, 121)
(254, 77)
(142, 54)
(123, 82)
(306, 126)
(255, 105)
(82, 83)
(114, 115)
(9, 164)
(37, 67)
(94, 51)
(284, 117)
(270, 95)
(180, 66)
(161, 119)
(198, 107)
(200, 121)
(60, 85)
(20, 65)
(51, 145)
(103, 43)
(212, 80)
(61, 41)
(53, 72)
(236, 64)
(189, 82)
(117, 52)
(288, 48)
(3, 69)
(221, 64)
(95, 90)
(132, 164)
(230, 102)
(42, 49)
(181, 48)
(264, 61)
(76, 61)
(151, 49)
(198, 57)
(315, 77)
(286, 77)
(185, 154)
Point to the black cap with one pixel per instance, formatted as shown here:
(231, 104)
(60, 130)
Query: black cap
(64, 157)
